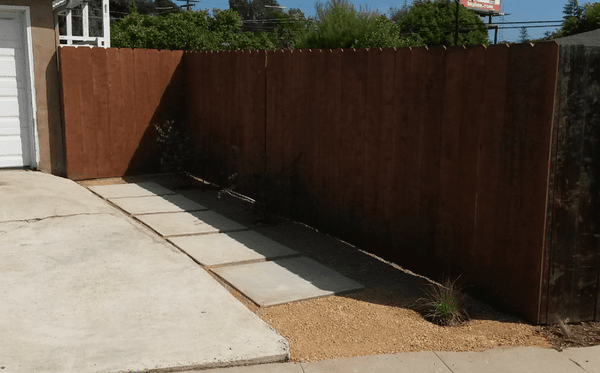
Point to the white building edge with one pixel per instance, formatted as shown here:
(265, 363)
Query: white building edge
(66, 7)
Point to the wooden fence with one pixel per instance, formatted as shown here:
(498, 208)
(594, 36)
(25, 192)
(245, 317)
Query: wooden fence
(436, 159)
(443, 160)
(111, 99)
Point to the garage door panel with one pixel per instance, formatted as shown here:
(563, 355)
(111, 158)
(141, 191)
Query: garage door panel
(10, 107)
(9, 48)
(12, 145)
(9, 87)
(12, 126)
(14, 161)
(11, 65)
(15, 98)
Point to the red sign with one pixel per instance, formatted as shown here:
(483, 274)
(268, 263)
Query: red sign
(490, 5)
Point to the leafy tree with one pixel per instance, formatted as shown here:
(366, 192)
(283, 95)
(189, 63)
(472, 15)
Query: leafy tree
(256, 14)
(185, 30)
(572, 9)
(579, 19)
(287, 27)
(340, 25)
(523, 35)
(397, 12)
(434, 21)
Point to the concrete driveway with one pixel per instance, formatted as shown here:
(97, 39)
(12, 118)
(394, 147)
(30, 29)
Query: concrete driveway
(84, 288)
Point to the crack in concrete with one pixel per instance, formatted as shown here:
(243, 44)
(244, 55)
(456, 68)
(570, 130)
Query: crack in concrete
(579, 365)
(447, 366)
(52, 217)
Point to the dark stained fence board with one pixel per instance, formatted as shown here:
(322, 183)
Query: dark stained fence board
(468, 158)
(354, 88)
(451, 106)
(311, 121)
(431, 139)
(574, 251)
(404, 190)
(378, 148)
(492, 117)
(330, 133)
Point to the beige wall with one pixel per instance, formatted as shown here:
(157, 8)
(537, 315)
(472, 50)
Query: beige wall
(44, 40)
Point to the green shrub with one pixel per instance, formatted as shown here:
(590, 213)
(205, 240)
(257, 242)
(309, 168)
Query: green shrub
(188, 30)
(443, 304)
(343, 27)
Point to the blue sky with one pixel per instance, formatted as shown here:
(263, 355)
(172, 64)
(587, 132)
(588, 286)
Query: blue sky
(518, 10)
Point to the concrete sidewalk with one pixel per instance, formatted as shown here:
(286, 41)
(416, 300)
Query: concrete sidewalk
(505, 360)
(85, 288)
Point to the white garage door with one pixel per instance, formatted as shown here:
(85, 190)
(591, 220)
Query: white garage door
(15, 122)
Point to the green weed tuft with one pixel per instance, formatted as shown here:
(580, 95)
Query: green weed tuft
(443, 304)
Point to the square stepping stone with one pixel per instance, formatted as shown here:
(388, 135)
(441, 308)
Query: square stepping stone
(285, 280)
(143, 189)
(182, 223)
(155, 204)
(233, 247)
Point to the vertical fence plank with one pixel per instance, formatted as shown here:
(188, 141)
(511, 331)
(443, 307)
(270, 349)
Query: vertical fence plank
(311, 120)
(100, 112)
(302, 127)
(406, 160)
(276, 91)
(115, 112)
(447, 213)
(491, 119)
(320, 136)
(330, 134)
(431, 137)
(254, 133)
(70, 75)
(472, 95)
(130, 113)
(378, 148)
(88, 119)
(354, 87)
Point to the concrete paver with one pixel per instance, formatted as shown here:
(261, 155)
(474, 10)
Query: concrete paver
(233, 247)
(587, 357)
(143, 189)
(285, 280)
(157, 204)
(410, 362)
(182, 223)
(513, 360)
(54, 196)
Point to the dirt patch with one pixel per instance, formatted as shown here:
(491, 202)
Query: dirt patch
(377, 320)
(345, 326)
(582, 334)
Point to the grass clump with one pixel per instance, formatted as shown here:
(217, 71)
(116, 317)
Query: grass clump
(443, 304)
